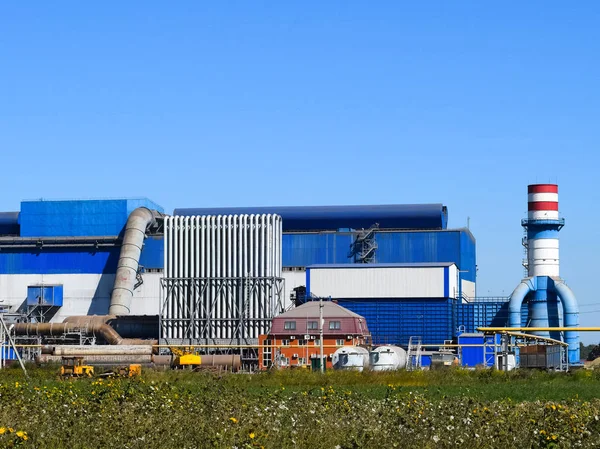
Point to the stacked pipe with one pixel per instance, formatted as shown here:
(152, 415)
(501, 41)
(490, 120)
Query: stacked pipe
(220, 276)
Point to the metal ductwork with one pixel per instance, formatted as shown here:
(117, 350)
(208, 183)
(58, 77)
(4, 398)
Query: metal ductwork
(127, 268)
(90, 325)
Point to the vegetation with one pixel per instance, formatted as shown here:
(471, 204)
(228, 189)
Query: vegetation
(590, 352)
(483, 409)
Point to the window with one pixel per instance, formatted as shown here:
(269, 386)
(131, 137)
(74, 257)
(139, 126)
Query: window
(267, 353)
(313, 325)
(339, 342)
(317, 342)
(301, 361)
(301, 342)
(285, 342)
(334, 325)
(289, 325)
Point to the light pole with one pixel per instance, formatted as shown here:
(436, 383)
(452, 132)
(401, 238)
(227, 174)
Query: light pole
(321, 334)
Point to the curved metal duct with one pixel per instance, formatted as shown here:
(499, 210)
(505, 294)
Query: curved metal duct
(91, 325)
(570, 317)
(129, 259)
(516, 300)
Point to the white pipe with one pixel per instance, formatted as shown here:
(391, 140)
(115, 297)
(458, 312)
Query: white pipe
(197, 250)
(129, 260)
(228, 297)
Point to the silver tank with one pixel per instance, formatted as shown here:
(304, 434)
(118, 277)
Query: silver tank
(386, 358)
(350, 358)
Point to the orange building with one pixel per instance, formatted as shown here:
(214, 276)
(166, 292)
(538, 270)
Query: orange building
(294, 337)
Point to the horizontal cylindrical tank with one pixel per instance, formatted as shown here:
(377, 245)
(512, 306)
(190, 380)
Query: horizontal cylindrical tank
(386, 358)
(102, 350)
(350, 358)
(319, 218)
(99, 359)
(233, 361)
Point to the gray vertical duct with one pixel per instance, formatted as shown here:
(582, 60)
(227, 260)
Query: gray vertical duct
(135, 232)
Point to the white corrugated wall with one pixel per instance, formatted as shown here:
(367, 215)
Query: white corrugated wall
(214, 253)
(383, 282)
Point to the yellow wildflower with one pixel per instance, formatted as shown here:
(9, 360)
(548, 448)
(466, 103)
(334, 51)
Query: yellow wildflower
(554, 437)
(251, 435)
(2, 430)
(25, 437)
(11, 430)
(553, 407)
(20, 434)
(233, 420)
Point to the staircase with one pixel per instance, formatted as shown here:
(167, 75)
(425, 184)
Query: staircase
(364, 247)
(414, 352)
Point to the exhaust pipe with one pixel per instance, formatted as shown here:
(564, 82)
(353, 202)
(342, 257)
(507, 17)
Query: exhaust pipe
(129, 260)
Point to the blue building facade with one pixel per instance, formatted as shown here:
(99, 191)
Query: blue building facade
(71, 237)
(394, 321)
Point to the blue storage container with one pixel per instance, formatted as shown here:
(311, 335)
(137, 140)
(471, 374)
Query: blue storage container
(8, 353)
(471, 356)
(45, 295)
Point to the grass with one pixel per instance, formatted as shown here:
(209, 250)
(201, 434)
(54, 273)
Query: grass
(286, 409)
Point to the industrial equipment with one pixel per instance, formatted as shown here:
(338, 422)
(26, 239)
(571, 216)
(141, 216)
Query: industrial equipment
(543, 290)
(185, 358)
(133, 370)
(74, 367)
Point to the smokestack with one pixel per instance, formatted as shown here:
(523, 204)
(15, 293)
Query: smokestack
(542, 224)
(543, 287)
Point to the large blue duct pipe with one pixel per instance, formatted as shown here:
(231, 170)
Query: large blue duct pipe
(9, 223)
(319, 218)
(516, 301)
(570, 317)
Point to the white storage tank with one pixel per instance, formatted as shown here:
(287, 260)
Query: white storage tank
(386, 358)
(350, 358)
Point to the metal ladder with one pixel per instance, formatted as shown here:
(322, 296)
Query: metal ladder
(414, 350)
(525, 243)
(364, 247)
(6, 342)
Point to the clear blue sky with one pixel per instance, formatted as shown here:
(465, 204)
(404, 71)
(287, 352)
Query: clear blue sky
(307, 103)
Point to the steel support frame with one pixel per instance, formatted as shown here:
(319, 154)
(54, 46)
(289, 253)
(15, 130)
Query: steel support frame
(195, 321)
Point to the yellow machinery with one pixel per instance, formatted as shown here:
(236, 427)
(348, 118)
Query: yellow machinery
(185, 358)
(74, 367)
(133, 370)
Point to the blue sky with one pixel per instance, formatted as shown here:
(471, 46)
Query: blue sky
(308, 103)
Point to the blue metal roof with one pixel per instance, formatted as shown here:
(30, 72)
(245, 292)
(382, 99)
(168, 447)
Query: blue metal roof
(383, 265)
(312, 218)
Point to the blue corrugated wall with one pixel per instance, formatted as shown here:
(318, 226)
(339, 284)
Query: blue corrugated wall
(394, 321)
(302, 250)
(78, 218)
(455, 246)
(74, 261)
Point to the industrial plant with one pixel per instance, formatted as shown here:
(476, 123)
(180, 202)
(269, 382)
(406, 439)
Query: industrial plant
(343, 287)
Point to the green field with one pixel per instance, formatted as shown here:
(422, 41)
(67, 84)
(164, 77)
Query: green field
(482, 409)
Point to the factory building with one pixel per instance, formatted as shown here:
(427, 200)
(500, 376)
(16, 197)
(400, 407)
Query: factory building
(72, 248)
(117, 270)
(365, 234)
